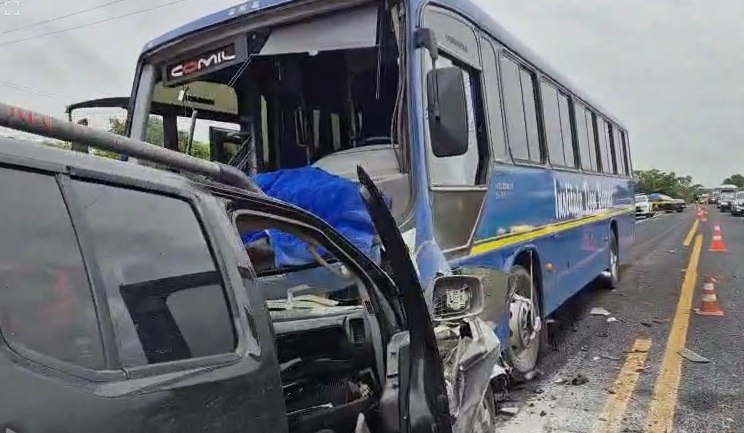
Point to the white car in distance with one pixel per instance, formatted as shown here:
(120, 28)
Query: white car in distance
(643, 206)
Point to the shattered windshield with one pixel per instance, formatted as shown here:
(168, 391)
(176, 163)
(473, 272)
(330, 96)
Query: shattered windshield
(321, 93)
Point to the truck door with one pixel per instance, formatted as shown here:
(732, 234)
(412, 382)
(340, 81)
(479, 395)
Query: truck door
(422, 404)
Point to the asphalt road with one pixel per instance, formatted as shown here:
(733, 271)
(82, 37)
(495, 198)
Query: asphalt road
(626, 374)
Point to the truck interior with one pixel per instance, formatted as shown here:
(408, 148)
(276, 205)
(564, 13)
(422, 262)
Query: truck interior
(327, 339)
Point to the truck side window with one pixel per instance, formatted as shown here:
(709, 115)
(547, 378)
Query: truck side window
(163, 287)
(46, 305)
(291, 265)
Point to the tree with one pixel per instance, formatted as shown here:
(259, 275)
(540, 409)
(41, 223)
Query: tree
(155, 135)
(668, 183)
(736, 179)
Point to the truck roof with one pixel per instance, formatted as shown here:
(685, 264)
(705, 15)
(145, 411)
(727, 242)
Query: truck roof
(23, 152)
(467, 7)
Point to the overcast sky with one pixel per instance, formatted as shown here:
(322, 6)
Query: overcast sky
(670, 69)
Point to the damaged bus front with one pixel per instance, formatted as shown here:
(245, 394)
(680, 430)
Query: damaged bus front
(439, 105)
(298, 95)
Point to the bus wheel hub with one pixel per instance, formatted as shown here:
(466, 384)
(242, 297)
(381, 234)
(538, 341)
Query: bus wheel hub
(523, 323)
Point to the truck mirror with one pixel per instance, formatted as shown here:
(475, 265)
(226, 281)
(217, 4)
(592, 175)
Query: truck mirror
(457, 297)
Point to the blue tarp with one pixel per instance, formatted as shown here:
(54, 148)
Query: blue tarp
(332, 198)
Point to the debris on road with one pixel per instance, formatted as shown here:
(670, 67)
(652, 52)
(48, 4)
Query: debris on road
(509, 410)
(692, 356)
(672, 251)
(599, 311)
(611, 319)
(646, 324)
(579, 379)
(612, 357)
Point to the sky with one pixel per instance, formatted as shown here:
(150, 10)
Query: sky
(668, 69)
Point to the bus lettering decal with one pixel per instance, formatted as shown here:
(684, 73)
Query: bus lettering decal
(576, 200)
(191, 66)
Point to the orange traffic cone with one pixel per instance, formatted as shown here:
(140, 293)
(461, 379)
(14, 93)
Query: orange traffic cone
(699, 214)
(717, 245)
(709, 303)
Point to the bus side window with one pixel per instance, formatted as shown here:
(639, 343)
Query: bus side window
(497, 135)
(626, 152)
(568, 142)
(469, 168)
(603, 137)
(552, 122)
(585, 138)
(521, 111)
(617, 150)
(557, 121)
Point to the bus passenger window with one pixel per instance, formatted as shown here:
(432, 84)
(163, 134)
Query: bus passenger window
(521, 111)
(552, 121)
(603, 134)
(626, 152)
(585, 131)
(617, 149)
(530, 114)
(567, 134)
(499, 151)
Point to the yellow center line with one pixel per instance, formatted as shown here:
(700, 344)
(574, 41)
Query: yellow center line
(612, 416)
(660, 415)
(691, 233)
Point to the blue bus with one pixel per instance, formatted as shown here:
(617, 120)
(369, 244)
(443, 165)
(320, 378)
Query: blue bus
(491, 158)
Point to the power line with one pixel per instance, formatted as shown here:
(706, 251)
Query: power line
(28, 89)
(117, 17)
(5, 32)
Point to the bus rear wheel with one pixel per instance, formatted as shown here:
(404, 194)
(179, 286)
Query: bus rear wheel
(610, 278)
(527, 334)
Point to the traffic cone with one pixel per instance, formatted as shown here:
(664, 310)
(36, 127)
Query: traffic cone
(705, 216)
(717, 245)
(709, 303)
(699, 214)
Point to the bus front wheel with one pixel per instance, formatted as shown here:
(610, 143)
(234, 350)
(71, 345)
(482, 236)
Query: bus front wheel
(527, 333)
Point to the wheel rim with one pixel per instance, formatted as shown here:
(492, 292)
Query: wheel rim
(524, 328)
(614, 269)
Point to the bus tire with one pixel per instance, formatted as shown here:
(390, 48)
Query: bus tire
(523, 360)
(611, 276)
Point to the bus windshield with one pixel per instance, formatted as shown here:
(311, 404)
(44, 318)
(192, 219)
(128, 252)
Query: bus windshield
(321, 92)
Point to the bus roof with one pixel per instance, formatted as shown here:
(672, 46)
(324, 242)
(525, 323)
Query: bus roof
(466, 7)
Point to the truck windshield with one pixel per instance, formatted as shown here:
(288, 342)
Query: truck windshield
(321, 93)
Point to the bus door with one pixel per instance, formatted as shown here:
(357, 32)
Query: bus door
(458, 155)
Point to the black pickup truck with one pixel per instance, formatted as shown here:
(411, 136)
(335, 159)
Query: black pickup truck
(130, 304)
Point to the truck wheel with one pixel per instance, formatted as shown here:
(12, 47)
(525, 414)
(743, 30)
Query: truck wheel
(527, 334)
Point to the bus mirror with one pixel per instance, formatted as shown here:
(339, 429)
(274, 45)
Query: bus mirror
(448, 118)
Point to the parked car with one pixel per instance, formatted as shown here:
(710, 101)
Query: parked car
(643, 206)
(131, 304)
